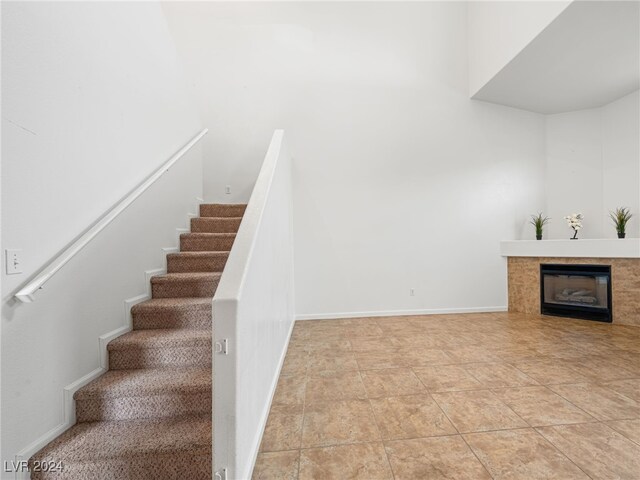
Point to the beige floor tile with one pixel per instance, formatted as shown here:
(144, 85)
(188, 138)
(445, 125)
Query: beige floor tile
(295, 364)
(330, 386)
(471, 354)
(298, 348)
(420, 340)
(378, 360)
(598, 401)
(522, 455)
(392, 322)
(595, 368)
(445, 378)
(498, 375)
(391, 382)
(402, 329)
(284, 428)
(540, 406)
(276, 466)
(477, 411)
(298, 336)
(335, 423)
(548, 372)
(410, 416)
(598, 369)
(597, 449)
(434, 458)
(462, 344)
(327, 361)
(290, 390)
(629, 388)
(327, 333)
(328, 346)
(373, 344)
(630, 361)
(566, 354)
(370, 322)
(363, 461)
(626, 342)
(521, 354)
(628, 428)
(364, 330)
(423, 357)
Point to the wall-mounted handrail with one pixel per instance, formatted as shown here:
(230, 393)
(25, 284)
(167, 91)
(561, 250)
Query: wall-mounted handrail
(27, 293)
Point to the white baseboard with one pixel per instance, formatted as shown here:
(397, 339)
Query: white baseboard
(180, 231)
(104, 340)
(152, 273)
(166, 251)
(398, 313)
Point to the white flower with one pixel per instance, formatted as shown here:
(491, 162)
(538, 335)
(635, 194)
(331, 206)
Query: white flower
(574, 220)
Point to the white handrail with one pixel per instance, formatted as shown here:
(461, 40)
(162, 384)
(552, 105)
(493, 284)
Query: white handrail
(27, 293)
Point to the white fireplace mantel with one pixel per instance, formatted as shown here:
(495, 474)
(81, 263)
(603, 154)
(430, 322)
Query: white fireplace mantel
(587, 248)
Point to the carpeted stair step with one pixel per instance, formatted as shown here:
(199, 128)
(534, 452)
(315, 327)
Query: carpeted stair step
(149, 416)
(160, 348)
(194, 284)
(222, 210)
(196, 262)
(215, 224)
(172, 313)
(147, 393)
(206, 242)
(165, 449)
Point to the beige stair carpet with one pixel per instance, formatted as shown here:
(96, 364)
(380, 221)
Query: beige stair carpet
(149, 416)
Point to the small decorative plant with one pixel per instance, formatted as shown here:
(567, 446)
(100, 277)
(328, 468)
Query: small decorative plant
(575, 222)
(539, 221)
(621, 217)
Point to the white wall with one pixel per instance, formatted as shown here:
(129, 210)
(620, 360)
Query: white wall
(86, 115)
(400, 181)
(93, 101)
(593, 167)
(498, 31)
(621, 161)
(254, 309)
(574, 172)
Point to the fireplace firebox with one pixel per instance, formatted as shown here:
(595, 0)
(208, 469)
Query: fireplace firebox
(578, 291)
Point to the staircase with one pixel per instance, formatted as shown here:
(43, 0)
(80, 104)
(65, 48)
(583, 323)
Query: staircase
(149, 416)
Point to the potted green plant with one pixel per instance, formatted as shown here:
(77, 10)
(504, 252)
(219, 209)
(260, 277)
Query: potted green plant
(539, 221)
(621, 217)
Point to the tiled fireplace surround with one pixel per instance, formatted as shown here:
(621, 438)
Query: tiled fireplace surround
(524, 284)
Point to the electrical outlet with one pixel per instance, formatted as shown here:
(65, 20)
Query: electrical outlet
(13, 262)
(227, 189)
(412, 292)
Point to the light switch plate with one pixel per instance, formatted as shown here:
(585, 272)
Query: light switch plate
(13, 261)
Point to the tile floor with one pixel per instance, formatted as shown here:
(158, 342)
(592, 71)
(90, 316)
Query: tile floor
(477, 396)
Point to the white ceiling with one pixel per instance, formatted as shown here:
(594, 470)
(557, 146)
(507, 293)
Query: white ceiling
(587, 57)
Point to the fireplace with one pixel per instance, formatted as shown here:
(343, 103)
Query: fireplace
(578, 291)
